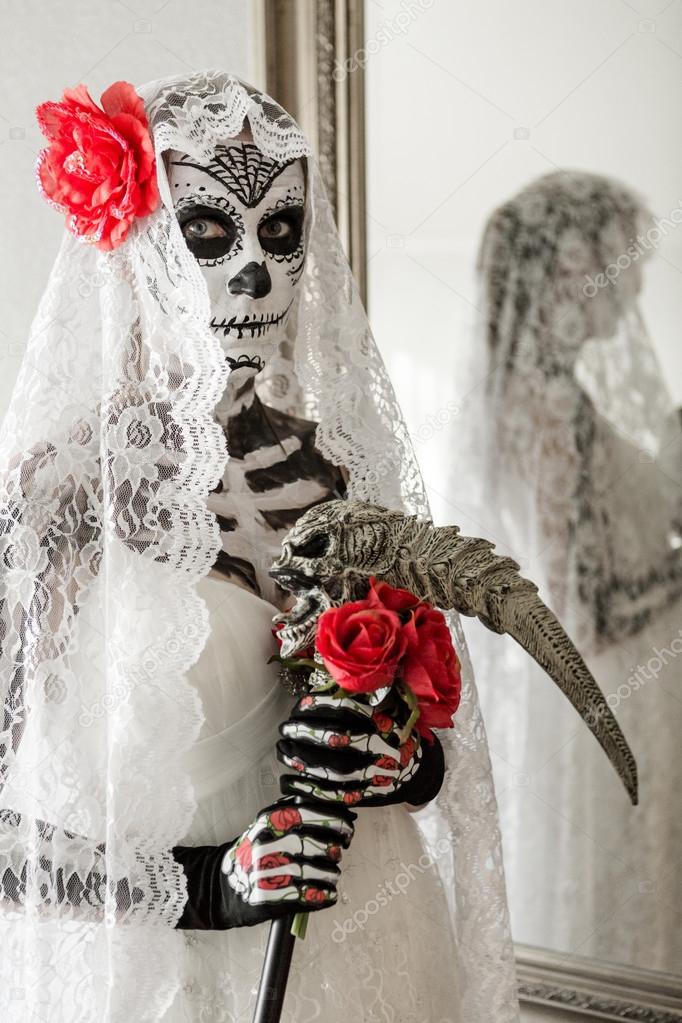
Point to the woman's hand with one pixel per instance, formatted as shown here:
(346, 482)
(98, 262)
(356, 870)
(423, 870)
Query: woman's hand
(345, 751)
(287, 861)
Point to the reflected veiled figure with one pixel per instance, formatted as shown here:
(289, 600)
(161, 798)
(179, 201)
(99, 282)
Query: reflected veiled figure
(575, 453)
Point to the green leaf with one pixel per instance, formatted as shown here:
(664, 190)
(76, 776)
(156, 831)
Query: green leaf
(294, 662)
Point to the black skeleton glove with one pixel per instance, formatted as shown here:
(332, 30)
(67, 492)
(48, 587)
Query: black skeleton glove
(285, 862)
(345, 751)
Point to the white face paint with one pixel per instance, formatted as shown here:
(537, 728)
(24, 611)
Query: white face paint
(242, 216)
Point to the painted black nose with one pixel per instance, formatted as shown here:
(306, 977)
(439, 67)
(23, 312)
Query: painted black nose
(253, 280)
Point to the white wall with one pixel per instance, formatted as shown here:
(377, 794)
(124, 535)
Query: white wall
(43, 49)
(468, 100)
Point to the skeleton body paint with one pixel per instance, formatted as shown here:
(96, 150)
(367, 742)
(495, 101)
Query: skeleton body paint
(242, 216)
(273, 475)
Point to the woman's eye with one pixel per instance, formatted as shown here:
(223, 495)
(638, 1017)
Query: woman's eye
(281, 233)
(276, 228)
(202, 228)
(209, 233)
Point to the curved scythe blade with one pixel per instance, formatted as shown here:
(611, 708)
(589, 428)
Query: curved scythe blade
(531, 623)
(466, 572)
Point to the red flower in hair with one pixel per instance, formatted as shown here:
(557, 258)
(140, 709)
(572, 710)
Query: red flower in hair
(99, 168)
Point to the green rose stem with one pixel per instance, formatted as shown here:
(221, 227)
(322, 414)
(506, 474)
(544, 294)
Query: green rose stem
(299, 925)
(413, 703)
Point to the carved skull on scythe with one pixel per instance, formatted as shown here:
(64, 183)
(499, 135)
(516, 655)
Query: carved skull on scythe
(333, 549)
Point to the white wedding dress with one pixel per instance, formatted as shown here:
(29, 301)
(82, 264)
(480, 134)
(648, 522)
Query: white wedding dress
(395, 959)
(107, 453)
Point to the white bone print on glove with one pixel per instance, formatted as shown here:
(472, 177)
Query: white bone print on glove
(289, 856)
(346, 751)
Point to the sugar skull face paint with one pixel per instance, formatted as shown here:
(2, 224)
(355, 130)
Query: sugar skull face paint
(242, 216)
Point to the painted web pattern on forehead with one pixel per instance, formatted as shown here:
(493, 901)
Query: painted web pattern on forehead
(245, 170)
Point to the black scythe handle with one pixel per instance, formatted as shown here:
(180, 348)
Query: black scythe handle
(276, 965)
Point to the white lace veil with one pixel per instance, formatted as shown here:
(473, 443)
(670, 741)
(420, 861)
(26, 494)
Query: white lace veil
(108, 452)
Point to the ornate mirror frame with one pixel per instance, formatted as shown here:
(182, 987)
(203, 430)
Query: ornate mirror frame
(303, 41)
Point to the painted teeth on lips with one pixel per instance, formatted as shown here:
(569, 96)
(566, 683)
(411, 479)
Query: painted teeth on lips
(256, 325)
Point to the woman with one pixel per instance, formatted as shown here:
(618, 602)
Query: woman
(581, 451)
(220, 319)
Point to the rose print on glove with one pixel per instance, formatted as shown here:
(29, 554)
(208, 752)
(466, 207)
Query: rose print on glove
(343, 749)
(287, 859)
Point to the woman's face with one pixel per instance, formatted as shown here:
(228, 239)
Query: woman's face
(242, 217)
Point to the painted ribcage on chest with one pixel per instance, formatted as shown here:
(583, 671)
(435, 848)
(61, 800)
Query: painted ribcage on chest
(274, 473)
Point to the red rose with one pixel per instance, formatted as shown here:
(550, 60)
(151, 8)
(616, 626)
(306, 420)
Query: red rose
(278, 881)
(383, 595)
(360, 645)
(285, 819)
(297, 764)
(244, 853)
(390, 762)
(352, 797)
(431, 668)
(334, 852)
(99, 167)
(314, 895)
(382, 779)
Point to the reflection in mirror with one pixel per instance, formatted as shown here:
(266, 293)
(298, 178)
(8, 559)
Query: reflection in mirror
(529, 317)
(576, 461)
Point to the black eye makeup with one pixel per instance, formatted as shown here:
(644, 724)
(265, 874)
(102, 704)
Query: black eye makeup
(211, 231)
(280, 232)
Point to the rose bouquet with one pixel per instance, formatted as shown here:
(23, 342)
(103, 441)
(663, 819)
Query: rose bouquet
(388, 647)
(391, 650)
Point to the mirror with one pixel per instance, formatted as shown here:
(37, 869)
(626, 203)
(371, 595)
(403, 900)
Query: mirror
(466, 105)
